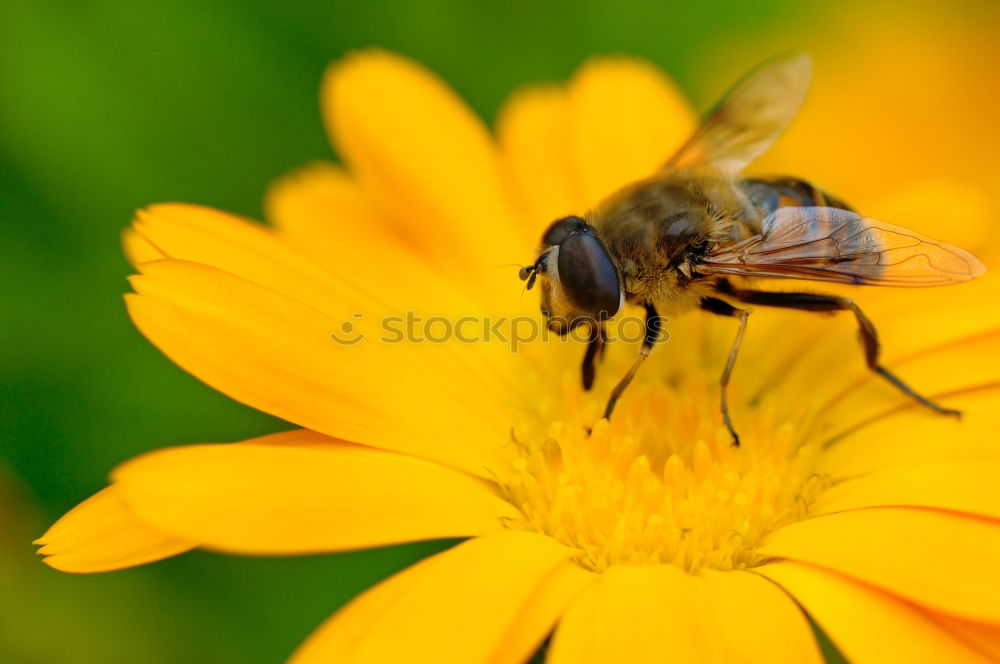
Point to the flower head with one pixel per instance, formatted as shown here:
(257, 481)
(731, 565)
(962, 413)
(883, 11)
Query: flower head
(647, 534)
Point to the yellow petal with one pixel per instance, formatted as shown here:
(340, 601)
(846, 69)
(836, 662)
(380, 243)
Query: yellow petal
(940, 560)
(103, 533)
(930, 337)
(912, 321)
(939, 370)
(249, 250)
(923, 204)
(638, 614)
(541, 611)
(326, 216)
(336, 275)
(983, 637)
(754, 621)
(865, 624)
(456, 606)
(960, 486)
(574, 637)
(138, 249)
(626, 119)
(909, 436)
(535, 141)
(276, 354)
(320, 207)
(270, 499)
(425, 157)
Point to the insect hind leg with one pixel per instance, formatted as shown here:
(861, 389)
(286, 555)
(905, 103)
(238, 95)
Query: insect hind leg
(869, 335)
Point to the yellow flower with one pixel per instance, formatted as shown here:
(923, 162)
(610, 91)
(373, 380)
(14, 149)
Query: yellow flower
(646, 537)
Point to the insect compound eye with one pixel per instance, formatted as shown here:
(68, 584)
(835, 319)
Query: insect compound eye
(588, 277)
(562, 229)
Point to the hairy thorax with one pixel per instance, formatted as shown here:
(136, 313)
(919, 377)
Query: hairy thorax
(659, 228)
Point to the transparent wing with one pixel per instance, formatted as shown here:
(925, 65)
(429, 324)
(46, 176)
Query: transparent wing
(830, 244)
(749, 118)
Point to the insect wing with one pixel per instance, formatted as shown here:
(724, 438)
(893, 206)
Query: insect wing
(749, 118)
(830, 244)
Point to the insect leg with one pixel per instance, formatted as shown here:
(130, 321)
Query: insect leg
(869, 336)
(721, 308)
(651, 336)
(595, 349)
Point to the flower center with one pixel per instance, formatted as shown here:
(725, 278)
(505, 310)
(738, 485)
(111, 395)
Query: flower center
(661, 483)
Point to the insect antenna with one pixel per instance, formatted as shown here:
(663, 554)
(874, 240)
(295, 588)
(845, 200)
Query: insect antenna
(530, 272)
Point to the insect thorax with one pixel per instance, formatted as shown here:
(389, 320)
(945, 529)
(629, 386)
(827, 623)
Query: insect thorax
(657, 229)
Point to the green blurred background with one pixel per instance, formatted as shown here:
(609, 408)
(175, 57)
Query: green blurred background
(105, 107)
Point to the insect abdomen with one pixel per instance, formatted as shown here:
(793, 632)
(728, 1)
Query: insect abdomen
(769, 194)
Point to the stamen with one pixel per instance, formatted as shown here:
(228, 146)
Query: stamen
(660, 483)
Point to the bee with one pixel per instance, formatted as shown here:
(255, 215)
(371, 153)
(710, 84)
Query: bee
(674, 241)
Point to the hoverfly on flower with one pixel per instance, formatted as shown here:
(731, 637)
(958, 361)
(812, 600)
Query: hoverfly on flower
(673, 241)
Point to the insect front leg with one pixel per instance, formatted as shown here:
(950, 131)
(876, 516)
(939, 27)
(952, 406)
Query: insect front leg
(595, 350)
(651, 336)
(721, 308)
(869, 336)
